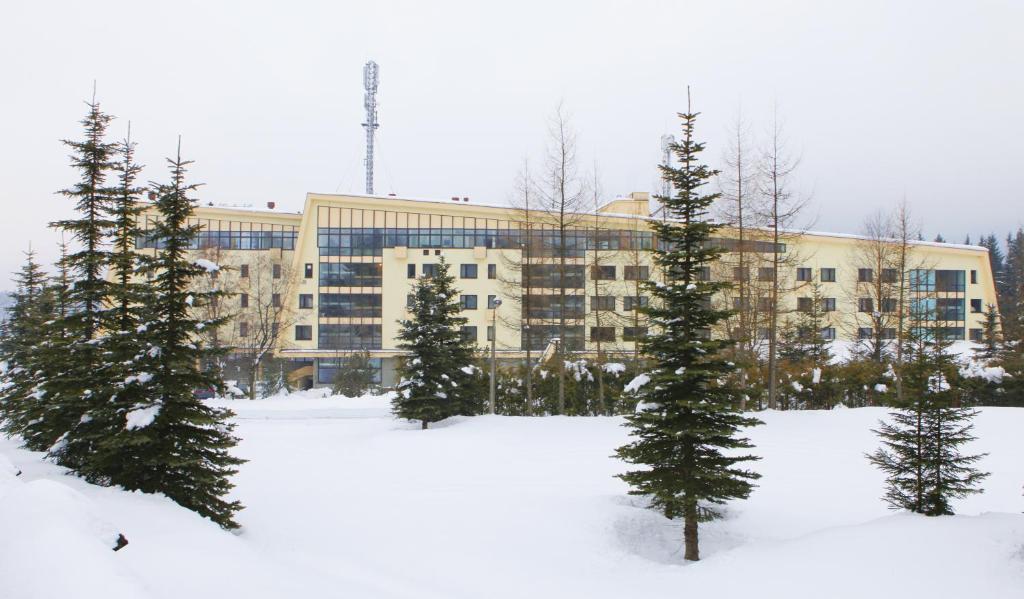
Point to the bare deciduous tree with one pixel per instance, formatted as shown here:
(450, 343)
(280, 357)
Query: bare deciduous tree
(562, 198)
(780, 209)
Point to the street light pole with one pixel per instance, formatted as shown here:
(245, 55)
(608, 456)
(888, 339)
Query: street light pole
(494, 338)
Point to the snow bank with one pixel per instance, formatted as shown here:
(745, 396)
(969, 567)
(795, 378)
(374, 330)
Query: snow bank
(55, 545)
(343, 500)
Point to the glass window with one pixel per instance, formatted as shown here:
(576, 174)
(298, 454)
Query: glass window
(865, 304)
(828, 304)
(490, 301)
(410, 271)
(828, 333)
(430, 270)
(602, 333)
(468, 302)
(537, 337)
(468, 333)
(976, 335)
(243, 329)
(306, 301)
(890, 275)
(467, 271)
(949, 308)
(633, 333)
(803, 274)
(350, 305)
(304, 332)
(277, 271)
(550, 276)
(766, 273)
(550, 306)
(864, 333)
(328, 369)
(492, 271)
(490, 333)
(243, 300)
(974, 277)
(602, 273)
(636, 273)
(922, 280)
(349, 336)
(865, 275)
(353, 274)
(602, 302)
(633, 302)
(243, 271)
(804, 304)
(975, 305)
(888, 305)
(275, 300)
(950, 281)
(740, 274)
(309, 270)
(828, 275)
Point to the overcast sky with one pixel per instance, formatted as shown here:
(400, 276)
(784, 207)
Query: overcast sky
(880, 100)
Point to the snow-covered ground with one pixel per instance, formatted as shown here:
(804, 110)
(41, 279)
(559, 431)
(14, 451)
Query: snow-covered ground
(344, 501)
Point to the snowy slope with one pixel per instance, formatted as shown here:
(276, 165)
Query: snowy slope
(344, 501)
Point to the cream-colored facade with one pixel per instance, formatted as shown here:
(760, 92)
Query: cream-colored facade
(350, 262)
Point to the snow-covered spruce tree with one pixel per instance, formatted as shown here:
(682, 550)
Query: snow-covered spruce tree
(355, 377)
(124, 343)
(686, 426)
(19, 355)
(171, 442)
(435, 374)
(920, 453)
(73, 376)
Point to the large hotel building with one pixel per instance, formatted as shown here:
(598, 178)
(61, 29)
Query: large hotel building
(343, 267)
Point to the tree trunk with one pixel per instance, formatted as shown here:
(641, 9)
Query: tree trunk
(692, 552)
(424, 423)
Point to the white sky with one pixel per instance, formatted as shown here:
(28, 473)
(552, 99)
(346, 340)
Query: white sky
(880, 99)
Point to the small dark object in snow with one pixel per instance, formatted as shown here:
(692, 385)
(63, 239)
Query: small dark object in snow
(121, 542)
(18, 473)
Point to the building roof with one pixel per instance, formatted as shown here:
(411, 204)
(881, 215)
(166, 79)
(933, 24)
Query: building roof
(476, 204)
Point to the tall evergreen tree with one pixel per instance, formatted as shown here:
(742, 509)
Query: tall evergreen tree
(920, 454)
(435, 374)
(26, 317)
(995, 256)
(172, 442)
(686, 427)
(124, 343)
(1011, 288)
(75, 369)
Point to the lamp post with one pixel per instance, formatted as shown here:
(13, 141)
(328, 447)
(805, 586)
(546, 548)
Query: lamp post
(494, 337)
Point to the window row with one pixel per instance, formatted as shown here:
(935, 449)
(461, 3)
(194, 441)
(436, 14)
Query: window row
(350, 274)
(226, 240)
(357, 241)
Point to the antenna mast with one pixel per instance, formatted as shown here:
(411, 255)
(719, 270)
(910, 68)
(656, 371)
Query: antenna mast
(370, 81)
(666, 160)
(666, 153)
